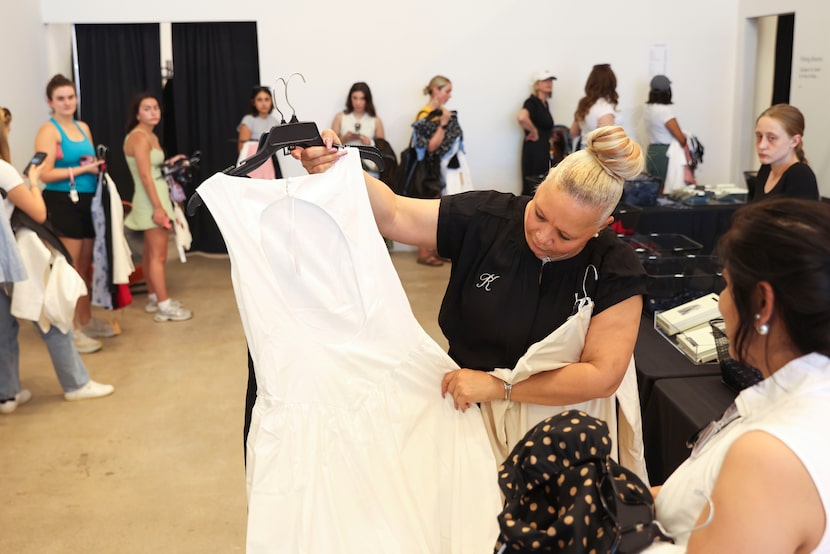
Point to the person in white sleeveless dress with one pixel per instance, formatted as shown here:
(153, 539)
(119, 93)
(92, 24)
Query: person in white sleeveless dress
(351, 447)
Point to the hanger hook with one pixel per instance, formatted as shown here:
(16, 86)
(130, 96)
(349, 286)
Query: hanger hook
(293, 111)
(274, 98)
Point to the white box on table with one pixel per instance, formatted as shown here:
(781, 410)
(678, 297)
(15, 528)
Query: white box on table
(688, 315)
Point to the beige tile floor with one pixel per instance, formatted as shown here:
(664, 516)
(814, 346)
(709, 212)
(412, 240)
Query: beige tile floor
(157, 467)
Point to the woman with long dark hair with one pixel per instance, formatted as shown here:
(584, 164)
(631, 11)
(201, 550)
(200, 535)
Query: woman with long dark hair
(152, 209)
(598, 108)
(359, 123)
(258, 120)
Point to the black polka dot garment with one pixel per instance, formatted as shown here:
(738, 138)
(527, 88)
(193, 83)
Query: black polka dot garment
(551, 483)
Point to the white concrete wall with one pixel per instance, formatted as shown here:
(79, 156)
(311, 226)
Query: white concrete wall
(25, 62)
(488, 50)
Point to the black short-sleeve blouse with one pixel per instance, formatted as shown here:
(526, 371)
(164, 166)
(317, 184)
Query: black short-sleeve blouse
(499, 300)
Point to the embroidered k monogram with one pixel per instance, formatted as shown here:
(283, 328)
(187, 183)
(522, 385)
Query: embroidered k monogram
(486, 279)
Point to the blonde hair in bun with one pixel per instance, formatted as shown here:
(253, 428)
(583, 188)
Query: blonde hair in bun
(439, 82)
(594, 176)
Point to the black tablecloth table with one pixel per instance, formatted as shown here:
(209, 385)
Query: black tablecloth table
(656, 359)
(704, 223)
(676, 410)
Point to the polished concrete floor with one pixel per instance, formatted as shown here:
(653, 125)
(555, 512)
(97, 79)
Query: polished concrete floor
(157, 467)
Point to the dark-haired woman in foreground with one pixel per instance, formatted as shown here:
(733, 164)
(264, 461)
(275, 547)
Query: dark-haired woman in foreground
(757, 481)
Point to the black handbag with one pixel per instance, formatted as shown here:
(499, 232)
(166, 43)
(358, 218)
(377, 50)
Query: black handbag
(405, 168)
(420, 178)
(44, 231)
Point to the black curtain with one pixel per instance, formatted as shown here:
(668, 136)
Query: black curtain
(216, 64)
(114, 63)
(783, 59)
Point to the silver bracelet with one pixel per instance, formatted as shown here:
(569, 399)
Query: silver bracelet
(508, 388)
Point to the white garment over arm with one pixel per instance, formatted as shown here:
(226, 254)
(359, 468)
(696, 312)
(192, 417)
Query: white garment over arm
(507, 422)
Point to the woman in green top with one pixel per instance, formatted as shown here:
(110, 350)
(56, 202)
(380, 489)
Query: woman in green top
(152, 209)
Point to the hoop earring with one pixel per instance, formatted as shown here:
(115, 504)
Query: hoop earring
(762, 329)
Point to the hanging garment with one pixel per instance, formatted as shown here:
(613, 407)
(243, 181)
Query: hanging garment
(266, 170)
(676, 172)
(122, 258)
(112, 261)
(49, 295)
(351, 446)
(101, 293)
(181, 231)
(508, 421)
(458, 179)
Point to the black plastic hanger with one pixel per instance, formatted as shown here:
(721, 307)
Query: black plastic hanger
(280, 136)
(303, 134)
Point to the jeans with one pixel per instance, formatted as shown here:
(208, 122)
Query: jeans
(69, 367)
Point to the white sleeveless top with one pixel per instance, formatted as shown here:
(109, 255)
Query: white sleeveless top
(366, 124)
(794, 406)
(351, 447)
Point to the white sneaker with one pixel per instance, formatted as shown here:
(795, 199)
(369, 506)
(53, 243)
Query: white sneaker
(8, 406)
(91, 390)
(85, 344)
(152, 306)
(97, 328)
(176, 312)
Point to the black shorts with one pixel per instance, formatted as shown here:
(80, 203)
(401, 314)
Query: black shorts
(69, 219)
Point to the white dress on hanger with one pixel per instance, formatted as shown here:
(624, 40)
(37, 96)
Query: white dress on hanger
(351, 447)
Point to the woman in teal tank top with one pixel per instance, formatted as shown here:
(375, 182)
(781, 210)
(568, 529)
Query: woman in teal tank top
(70, 172)
(152, 210)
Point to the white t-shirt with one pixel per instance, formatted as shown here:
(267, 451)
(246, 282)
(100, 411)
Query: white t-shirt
(11, 265)
(9, 179)
(257, 125)
(365, 126)
(601, 107)
(655, 117)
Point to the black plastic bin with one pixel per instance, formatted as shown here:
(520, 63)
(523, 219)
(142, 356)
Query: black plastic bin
(663, 244)
(671, 281)
(627, 215)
